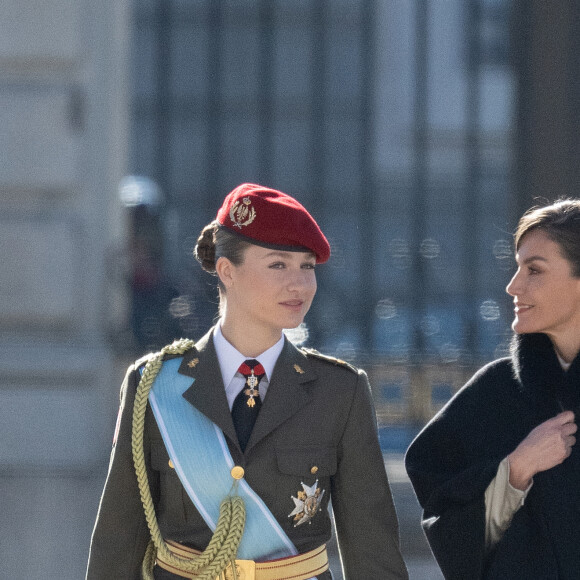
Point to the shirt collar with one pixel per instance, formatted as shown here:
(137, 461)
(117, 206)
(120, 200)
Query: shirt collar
(565, 365)
(230, 358)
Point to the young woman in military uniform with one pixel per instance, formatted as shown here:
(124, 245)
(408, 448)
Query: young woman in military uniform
(233, 447)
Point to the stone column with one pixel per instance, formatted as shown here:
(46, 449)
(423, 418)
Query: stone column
(63, 138)
(546, 53)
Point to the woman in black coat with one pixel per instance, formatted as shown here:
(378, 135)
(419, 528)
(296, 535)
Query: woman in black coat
(496, 471)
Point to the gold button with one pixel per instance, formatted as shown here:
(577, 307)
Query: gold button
(170, 463)
(237, 472)
(314, 470)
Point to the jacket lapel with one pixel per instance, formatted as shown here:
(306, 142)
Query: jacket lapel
(539, 373)
(207, 393)
(287, 392)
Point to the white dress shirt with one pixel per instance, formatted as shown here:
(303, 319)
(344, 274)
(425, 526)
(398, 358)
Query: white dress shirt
(502, 501)
(230, 360)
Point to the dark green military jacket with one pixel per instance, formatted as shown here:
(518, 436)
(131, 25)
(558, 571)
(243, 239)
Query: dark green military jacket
(317, 422)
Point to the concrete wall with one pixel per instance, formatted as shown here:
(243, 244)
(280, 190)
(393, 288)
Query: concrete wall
(63, 138)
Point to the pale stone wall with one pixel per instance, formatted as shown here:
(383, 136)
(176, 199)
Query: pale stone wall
(63, 138)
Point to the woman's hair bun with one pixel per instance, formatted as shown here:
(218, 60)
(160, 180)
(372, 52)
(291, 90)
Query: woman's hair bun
(205, 248)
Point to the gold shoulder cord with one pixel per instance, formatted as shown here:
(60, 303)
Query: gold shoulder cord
(223, 546)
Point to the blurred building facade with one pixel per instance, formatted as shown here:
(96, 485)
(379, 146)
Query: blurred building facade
(63, 137)
(416, 132)
(393, 122)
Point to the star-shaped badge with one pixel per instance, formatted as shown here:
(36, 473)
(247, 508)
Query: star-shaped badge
(307, 503)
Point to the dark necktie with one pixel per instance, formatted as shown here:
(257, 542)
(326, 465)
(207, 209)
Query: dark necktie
(247, 403)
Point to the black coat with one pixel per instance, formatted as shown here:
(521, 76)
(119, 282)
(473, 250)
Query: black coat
(317, 412)
(455, 457)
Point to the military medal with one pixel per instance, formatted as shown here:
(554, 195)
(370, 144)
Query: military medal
(253, 373)
(307, 504)
(252, 382)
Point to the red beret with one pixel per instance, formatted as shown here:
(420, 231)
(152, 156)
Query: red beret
(273, 219)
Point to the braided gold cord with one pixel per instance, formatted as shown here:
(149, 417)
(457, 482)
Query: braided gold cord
(224, 544)
(148, 562)
(236, 512)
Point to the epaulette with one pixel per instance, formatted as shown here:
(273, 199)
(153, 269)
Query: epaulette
(141, 362)
(329, 359)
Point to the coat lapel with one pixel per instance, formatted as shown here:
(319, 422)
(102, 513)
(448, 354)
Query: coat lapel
(207, 392)
(539, 374)
(287, 392)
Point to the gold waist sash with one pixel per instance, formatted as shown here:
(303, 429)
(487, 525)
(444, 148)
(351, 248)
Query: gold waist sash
(300, 567)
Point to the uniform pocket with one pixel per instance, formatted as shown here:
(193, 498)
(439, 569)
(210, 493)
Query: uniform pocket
(160, 458)
(172, 497)
(311, 461)
(304, 475)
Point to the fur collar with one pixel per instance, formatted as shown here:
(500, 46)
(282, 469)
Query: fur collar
(540, 376)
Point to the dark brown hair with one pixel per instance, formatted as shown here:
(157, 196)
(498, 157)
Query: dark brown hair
(216, 242)
(560, 221)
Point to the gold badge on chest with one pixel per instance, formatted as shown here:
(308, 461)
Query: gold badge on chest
(307, 504)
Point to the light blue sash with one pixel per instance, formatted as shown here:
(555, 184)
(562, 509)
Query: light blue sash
(199, 452)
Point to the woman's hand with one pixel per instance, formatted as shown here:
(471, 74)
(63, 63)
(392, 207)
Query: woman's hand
(546, 446)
